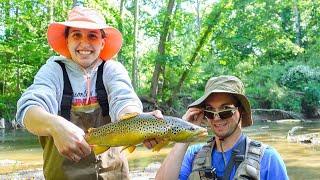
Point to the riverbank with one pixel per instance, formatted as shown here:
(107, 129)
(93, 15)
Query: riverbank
(147, 173)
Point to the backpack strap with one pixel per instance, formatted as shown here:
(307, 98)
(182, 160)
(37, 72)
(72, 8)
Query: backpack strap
(250, 167)
(101, 91)
(67, 93)
(202, 162)
(236, 158)
(254, 155)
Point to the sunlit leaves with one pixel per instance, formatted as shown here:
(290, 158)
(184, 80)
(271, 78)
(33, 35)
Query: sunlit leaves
(252, 39)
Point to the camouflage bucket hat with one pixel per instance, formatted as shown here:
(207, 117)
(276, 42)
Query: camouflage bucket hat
(231, 85)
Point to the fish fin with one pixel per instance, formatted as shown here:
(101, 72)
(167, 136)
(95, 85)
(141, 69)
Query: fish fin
(91, 129)
(159, 146)
(99, 149)
(129, 148)
(128, 116)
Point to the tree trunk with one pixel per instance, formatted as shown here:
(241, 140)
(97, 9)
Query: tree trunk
(4, 82)
(198, 17)
(297, 23)
(77, 3)
(165, 84)
(18, 52)
(135, 62)
(6, 12)
(51, 10)
(161, 51)
(212, 19)
(7, 18)
(64, 8)
(120, 26)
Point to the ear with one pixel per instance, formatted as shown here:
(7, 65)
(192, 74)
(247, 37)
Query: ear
(241, 115)
(241, 110)
(103, 42)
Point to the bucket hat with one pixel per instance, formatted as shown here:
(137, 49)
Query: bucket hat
(86, 18)
(231, 85)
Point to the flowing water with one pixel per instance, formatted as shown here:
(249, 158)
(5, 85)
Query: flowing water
(19, 150)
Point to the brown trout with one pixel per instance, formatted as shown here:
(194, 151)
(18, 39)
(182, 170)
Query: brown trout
(133, 129)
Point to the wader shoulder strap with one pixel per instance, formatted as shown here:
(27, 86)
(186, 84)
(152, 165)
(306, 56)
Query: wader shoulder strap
(67, 93)
(67, 96)
(101, 91)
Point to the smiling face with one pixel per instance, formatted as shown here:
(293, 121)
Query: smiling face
(85, 45)
(223, 127)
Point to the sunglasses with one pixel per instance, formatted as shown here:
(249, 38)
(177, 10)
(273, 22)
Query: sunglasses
(223, 114)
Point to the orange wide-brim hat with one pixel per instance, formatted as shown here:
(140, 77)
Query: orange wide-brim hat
(86, 18)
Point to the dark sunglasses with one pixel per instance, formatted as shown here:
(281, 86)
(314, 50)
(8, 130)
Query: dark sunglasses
(223, 114)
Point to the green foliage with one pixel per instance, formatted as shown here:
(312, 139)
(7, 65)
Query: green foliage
(300, 76)
(310, 102)
(254, 40)
(262, 87)
(283, 87)
(8, 106)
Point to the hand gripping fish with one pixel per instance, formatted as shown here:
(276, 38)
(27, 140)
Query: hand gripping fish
(134, 128)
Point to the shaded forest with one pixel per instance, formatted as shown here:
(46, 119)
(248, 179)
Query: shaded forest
(171, 47)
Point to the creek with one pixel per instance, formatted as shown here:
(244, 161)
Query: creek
(20, 150)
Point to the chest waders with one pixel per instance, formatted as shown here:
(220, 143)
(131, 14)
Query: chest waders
(245, 158)
(111, 164)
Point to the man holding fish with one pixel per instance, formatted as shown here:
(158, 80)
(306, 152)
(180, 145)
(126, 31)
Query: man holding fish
(230, 154)
(81, 89)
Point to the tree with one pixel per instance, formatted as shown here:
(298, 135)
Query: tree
(212, 19)
(120, 26)
(135, 62)
(297, 23)
(159, 62)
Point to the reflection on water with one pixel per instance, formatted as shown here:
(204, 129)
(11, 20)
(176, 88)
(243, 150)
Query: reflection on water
(20, 150)
(302, 160)
(17, 139)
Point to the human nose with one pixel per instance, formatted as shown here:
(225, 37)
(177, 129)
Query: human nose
(84, 40)
(216, 116)
(210, 115)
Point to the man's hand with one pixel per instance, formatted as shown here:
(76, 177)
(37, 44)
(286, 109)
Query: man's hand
(69, 140)
(194, 115)
(150, 143)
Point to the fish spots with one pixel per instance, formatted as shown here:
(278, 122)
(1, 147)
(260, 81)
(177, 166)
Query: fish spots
(140, 128)
(176, 130)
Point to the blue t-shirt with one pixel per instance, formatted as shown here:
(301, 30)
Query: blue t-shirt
(271, 166)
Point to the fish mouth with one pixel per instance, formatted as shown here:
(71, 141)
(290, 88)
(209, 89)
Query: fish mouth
(200, 135)
(194, 137)
(203, 134)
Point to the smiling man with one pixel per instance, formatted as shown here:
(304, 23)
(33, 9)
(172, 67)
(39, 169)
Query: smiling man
(229, 154)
